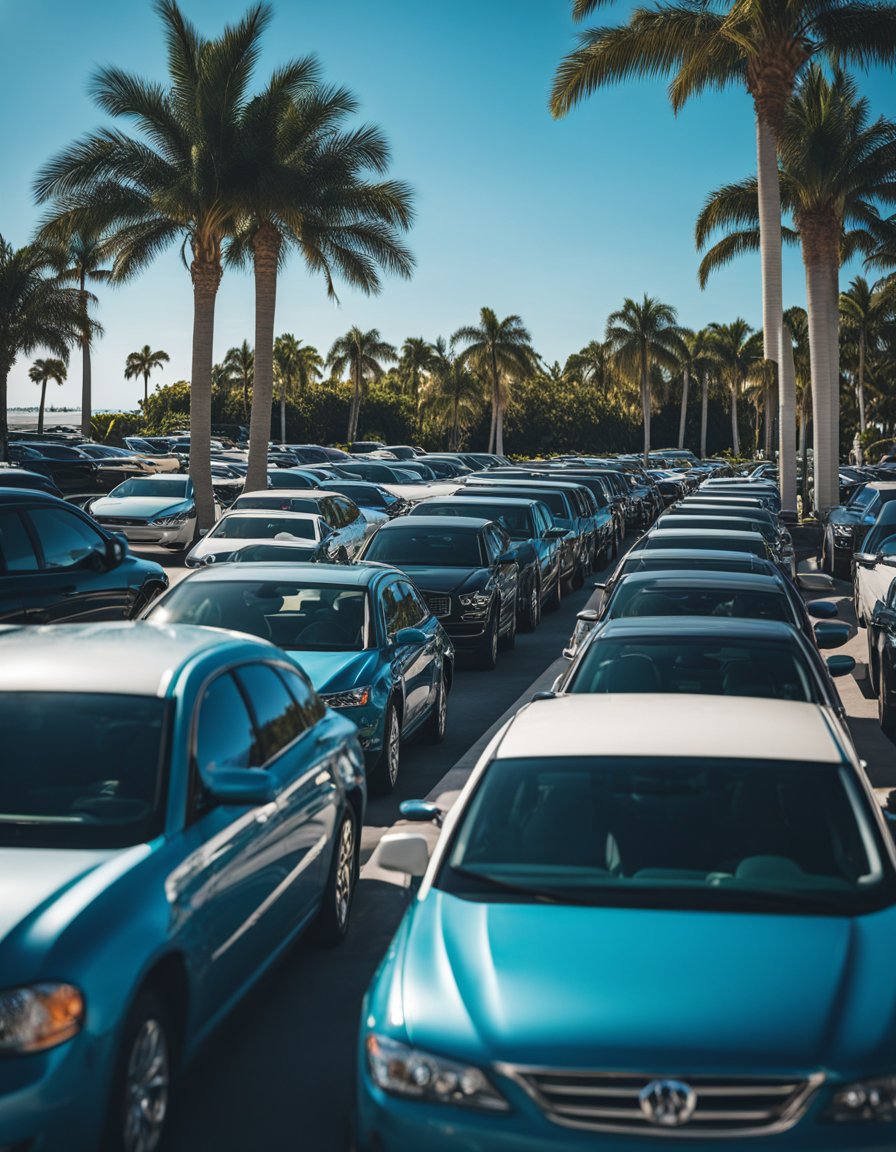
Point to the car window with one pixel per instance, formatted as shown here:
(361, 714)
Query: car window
(278, 716)
(350, 510)
(225, 737)
(65, 538)
(414, 606)
(399, 608)
(501, 539)
(862, 498)
(16, 550)
(308, 701)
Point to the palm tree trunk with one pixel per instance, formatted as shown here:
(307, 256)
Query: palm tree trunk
(704, 411)
(265, 258)
(832, 250)
(40, 411)
(817, 299)
(645, 403)
(145, 390)
(686, 379)
(206, 275)
(735, 436)
(860, 384)
(787, 421)
(355, 409)
(283, 413)
(86, 398)
(499, 429)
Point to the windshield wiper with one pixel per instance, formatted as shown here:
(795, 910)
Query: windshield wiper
(541, 895)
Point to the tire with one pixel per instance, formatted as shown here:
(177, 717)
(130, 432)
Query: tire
(827, 564)
(332, 923)
(616, 539)
(578, 577)
(507, 642)
(860, 619)
(873, 678)
(436, 725)
(141, 1082)
(840, 567)
(886, 712)
(381, 779)
(487, 652)
(532, 608)
(556, 596)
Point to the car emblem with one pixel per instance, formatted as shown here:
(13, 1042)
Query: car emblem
(668, 1103)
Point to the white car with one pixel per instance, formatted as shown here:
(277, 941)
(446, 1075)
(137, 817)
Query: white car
(347, 523)
(150, 510)
(875, 564)
(237, 529)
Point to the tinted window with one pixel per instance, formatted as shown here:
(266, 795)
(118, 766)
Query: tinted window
(287, 479)
(414, 606)
(278, 716)
(453, 548)
(225, 737)
(16, 549)
(350, 512)
(238, 527)
(65, 538)
(310, 704)
(165, 489)
(862, 498)
(399, 608)
(672, 600)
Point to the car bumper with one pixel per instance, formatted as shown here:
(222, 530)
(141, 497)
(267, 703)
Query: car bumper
(180, 534)
(466, 634)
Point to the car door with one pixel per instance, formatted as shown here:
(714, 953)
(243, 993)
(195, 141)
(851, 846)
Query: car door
(498, 543)
(19, 566)
(356, 528)
(547, 550)
(410, 662)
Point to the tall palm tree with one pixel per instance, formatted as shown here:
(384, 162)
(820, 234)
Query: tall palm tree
(707, 370)
(295, 366)
(36, 311)
(144, 363)
(414, 364)
(42, 372)
(688, 361)
(834, 164)
(314, 187)
(451, 393)
(796, 325)
(182, 178)
(712, 44)
(80, 262)
(239, 364)
(863, 309)
(737, 349)
(497, 350)
(643, 335)
(592, 365)
(359, 353)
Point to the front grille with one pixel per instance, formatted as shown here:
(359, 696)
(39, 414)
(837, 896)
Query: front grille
(438, 604)
(122, 522)
(610, 1102)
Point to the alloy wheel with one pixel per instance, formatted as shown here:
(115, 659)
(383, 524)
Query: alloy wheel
(392, 749)
(345, 871)
(146, 1088)
(442, 713)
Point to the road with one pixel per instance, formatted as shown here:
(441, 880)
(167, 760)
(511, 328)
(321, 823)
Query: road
(278, 1075)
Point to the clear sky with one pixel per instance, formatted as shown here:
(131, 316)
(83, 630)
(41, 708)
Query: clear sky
(555, 221)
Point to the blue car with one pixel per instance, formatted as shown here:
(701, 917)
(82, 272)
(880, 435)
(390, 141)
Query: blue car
(176, 806)
(618, 941)
(362, 632)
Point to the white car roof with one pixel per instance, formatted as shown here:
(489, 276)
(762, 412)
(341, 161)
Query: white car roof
(724, 727)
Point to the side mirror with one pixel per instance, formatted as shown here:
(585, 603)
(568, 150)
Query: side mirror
(840, 665)
(210, 559)
(544, 696)
(250, 786)
(116, 551)
(832, 635)
(868, 559)
(410, 636)
(815, 582)
(554, 533)
(507, 558)
(406, 852)
(822, 609)
(421, 811)
(590, 615)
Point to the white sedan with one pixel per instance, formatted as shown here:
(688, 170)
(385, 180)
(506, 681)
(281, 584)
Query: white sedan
(875, 564)
(236, 530)
(150, 510)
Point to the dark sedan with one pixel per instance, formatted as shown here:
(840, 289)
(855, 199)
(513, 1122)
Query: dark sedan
(58, 565)
(882, 659)
(22, 478)
(535, 543)
(712, 539)
(369, 496)
(70, 470)
(466, 572)
(779, 542)
(846, 526)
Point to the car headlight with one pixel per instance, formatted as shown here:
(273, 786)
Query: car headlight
(355, 698)
(865, 1100)
(406, 1071)
(842, 530)
(171, 521)
(39, 1017)
(478, 600)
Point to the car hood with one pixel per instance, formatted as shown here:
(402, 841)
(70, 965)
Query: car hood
(337, 671)
(139, 507)
(448, 580)
(644, 989)
(423, 490)
(218, 545)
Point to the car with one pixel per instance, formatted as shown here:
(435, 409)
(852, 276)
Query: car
(349, 526)
(154, 450)
(192, 808)
(150, 510)
(57, 565)
(116, 464)
(706, 655)
(712, 539)
(297, 477)
(22, 478)
(604, 491)
(373, 500)
(874, 564)
(846, 527)
(776, 538)
(535, 542)
(614, 942)
(466, 572)
(362, 633)
(757, 489)
(882, 658)
(70, 470)
(258, 526)
(403, 451)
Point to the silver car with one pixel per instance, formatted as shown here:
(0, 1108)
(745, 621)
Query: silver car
(150, 510)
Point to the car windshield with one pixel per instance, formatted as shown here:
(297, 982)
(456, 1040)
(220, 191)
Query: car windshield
(514, 521)
(296, 616)
(718, 523)
(556, 501)
(676, 832)
(701, 665)
(278, 503)
(656, 561)
(263, 528)
(275, 553)
(671, 539)
(689, 600)
(163, 489)
(405, 546)
(93, 778)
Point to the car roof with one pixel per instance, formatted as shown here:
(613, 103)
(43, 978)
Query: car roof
(513, 501)
(661, 628)
(435, 522)
(705, 555)
(882, 485)
(265, 513)
(721, 533)
(123, 657)
(286, 494)
(679, 725)
(736, 581)
(12, 495)
(352, 574)
(165, 477)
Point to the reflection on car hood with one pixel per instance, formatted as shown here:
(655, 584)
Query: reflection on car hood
(433, 578)
(337, 671)
(423, 490)
(139, 507)
(644, 989)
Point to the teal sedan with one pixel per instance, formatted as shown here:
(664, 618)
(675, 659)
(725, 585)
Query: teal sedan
(362, 632)
(620, 940)
(177, 805)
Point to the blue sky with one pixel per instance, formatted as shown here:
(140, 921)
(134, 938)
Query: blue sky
(555, 221)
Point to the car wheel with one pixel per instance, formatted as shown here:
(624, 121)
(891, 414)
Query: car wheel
(886, 712)
(141, 1083)
(827, 564)
(487, 653)
(556, 596)
(437, 723)
(839, 566)
(331, 926)
(578, 577)
(872, 663)
(508, 640)
(532, 614)
(616, 538)
(382, 777)
(857, 604)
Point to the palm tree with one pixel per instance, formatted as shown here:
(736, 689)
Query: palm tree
(736, 348)
(592, 365)
(80, 262)
(239, 364)
(182, 179)
(416, 362)
(312, 188)
(143, 363)
(863, 309)
(42, 372)
(36, 311)
(643, 335)
(689, 357)
(360, 353)
(498, 350)
(796, 325)
(760, 44)
(451, 393)
(295, 366)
